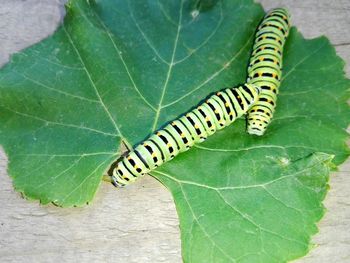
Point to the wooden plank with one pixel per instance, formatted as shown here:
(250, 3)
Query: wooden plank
(139, 223)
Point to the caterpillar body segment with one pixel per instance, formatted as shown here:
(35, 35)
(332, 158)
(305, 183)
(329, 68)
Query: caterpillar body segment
(217, 112)
(265, 68)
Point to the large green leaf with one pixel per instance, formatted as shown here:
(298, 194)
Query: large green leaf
(116, 71)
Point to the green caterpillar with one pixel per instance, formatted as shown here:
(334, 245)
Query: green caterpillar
(217, 112)
(257, 97)
(265, 68)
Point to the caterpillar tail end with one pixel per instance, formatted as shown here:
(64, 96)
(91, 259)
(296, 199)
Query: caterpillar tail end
(255, 131)
(256, 126)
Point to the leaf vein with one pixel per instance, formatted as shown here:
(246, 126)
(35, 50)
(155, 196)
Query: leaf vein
(123, 61)
(213, 76)
(92, 82)
(55, 90)
(207, 39)
(48, 122)
(171, 65)
(145, 37)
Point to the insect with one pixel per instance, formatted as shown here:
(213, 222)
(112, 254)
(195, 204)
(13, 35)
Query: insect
(265, 68)
(217, 112)
(257, 97)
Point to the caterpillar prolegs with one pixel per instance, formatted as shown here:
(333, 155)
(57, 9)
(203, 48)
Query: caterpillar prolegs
(217, 112)
(265, 68)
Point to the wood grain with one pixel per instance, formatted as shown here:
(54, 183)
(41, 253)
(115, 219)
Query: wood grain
(139, 223)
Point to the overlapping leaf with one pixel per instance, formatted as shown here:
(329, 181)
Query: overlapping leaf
(116, 70)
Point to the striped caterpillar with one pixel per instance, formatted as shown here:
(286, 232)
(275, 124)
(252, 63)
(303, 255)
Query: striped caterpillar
(257, 97)
(217, 112)
(265, 68)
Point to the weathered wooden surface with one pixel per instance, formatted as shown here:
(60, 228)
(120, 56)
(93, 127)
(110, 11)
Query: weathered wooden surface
(139, 223)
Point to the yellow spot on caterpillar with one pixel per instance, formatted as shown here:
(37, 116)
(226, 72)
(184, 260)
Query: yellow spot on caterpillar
(196, 126)
(226, 104)
(153, 155)
(169, 145)
(216, 112)
(158, 133)
(182, 135)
